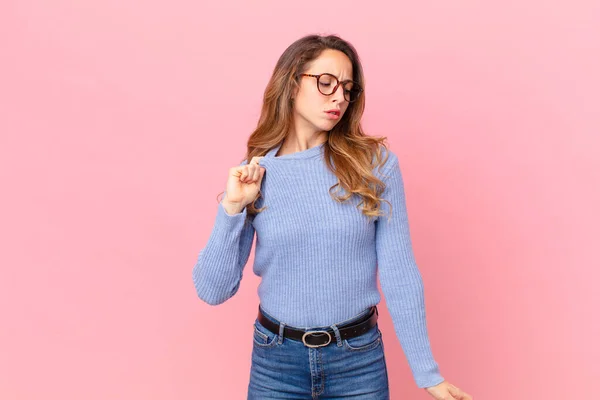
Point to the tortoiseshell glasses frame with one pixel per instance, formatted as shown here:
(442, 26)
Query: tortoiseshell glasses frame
(350, 95)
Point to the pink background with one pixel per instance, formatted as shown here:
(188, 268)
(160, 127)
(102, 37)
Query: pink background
(119, 120)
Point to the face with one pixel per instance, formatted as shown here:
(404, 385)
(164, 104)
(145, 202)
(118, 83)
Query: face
(311, 106)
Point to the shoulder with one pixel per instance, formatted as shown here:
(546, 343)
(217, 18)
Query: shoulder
(387, 164)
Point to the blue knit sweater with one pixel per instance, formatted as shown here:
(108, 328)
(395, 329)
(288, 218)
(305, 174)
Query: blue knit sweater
(318, 259)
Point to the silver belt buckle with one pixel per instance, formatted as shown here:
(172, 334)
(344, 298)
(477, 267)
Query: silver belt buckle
(315, 345)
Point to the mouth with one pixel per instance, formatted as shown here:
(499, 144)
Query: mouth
(333, 114)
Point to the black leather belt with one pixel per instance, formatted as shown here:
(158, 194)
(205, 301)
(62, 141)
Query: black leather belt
(319, 338)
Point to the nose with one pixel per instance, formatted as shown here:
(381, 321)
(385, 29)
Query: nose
(339, 94)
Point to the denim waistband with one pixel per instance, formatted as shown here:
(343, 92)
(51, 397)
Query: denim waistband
(351, 319)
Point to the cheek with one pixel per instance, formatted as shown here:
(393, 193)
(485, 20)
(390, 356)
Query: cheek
(308, 104)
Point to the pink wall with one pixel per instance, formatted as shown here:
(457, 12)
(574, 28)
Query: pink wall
(111, 117)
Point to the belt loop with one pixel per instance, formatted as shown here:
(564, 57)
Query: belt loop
(338, 338)
(281, 330)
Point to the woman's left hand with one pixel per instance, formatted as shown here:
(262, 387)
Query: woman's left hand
(447, 391)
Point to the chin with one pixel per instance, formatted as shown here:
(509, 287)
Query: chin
(326, 126)
(321, 125)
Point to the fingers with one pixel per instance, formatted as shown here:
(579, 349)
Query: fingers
(247, 175)
(458, 394)
(252, 172)
(256, 174)
(243, 173)
(455, 392)
(256, 170)
(255, 160)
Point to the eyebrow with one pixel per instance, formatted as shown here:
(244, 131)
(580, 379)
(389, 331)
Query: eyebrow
(345, 80)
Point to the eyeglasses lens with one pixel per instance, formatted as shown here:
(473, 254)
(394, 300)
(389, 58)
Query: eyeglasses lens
(327, 83)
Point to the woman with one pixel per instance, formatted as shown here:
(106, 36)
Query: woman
(314, 188)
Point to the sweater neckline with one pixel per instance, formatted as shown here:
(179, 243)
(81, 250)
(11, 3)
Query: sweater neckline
(312, 152)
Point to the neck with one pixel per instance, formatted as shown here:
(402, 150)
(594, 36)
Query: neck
(301, 139)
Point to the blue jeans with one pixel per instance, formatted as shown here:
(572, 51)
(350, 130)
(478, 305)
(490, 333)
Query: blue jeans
(284, 368)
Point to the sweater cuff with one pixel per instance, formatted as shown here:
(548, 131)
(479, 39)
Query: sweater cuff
(428, 379)
(229, 222)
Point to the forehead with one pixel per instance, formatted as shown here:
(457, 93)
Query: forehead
(334, 62)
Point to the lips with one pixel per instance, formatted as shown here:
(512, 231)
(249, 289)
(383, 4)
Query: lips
(332, 114)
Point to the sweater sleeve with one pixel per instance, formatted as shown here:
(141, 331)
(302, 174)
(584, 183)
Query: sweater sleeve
(401, 281)
(218, 270)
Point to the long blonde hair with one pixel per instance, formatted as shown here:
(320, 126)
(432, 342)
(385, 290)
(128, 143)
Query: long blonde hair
(353, 153)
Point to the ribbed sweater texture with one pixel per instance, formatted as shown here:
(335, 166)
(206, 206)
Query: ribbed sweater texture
(318, 259)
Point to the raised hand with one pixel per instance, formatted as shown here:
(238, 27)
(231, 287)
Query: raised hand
(243, 185)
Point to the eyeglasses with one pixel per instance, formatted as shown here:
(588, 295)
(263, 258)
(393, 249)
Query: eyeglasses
(328, 84)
